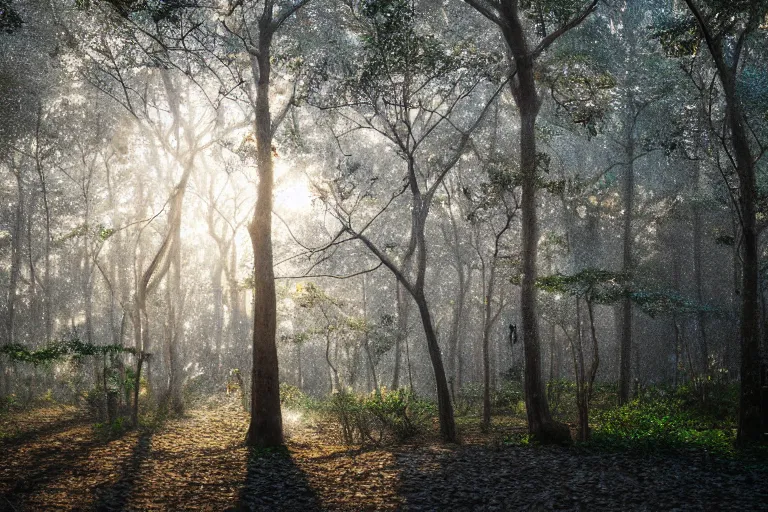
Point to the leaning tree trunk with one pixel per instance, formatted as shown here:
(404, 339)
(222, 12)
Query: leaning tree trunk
(266, 428)
(444, 406)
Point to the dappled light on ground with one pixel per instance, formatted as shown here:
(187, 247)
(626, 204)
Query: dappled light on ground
(55, 459)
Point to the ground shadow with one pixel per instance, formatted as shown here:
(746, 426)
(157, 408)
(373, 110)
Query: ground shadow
(43, 466)
(273, 481)
(118, 495)
(45, 429)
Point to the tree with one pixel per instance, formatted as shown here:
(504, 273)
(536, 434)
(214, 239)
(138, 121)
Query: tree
(258, 23)
(593, 286)
(727, 43)
(507, 16)
(410, 90)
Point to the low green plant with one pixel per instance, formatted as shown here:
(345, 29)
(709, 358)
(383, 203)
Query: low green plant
(394, 415)
(9, 403)
(659, 424)
(111, 430)
(294, 398)
(469, 399)
(509, 397)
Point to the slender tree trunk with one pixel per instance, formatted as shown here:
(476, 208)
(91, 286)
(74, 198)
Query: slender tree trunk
(366, 340)
(176, 310)
(47, 242)
(486, 363)
(218, 313)
(626, 308)
(266, 427)
(299, 376)
(579, 365)
(334, 373)
(698, 274)
(16, 255)
(444, 406)
(402, 326)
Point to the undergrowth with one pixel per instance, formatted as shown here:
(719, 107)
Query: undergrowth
(378, 417)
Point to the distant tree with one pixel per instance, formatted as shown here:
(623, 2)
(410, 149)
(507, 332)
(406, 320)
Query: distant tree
(412, 91)
(508, 15)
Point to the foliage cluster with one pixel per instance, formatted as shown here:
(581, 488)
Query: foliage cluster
(112, 429)
(9, 19)
(660, 419)
(294, 398)
(59, 350)
(382, 416)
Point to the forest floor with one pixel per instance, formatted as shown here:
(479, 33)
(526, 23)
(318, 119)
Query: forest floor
(53, 458)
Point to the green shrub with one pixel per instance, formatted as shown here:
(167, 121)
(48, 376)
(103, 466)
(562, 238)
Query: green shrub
(711, 400)
(509, 397)
(294, 398)
(112, 430)
(384, 415)
(8, 403)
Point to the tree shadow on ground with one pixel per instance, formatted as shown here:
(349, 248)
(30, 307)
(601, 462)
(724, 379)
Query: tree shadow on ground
(473, 478)
(45, 429)
(43, 466)
(273, 481)
(118, 495)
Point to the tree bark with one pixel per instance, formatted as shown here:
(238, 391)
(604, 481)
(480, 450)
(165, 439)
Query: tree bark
(266, 427)
(749, 429)
(366, 340)
(540, 423)
(626, 307)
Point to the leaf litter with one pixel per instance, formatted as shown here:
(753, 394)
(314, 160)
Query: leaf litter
(53, 459)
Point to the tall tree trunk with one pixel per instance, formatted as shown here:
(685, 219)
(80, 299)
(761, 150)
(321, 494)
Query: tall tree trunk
(266, 427)
(176, 325)
(16, 255)
(540, 423)
(402, 326)
(626, 308)
(218, 313)
(698, 273)
(506, 15)
(749, 429)
(47, 242)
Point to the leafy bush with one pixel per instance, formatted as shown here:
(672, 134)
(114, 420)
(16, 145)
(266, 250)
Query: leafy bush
(395, 415)
(294, 398)
(111, 430)
(713, 401)
(509, 397)
(8, 403)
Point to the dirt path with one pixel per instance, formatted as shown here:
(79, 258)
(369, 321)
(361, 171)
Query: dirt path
(57, 462)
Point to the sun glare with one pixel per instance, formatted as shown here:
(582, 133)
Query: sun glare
(294, 196)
